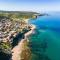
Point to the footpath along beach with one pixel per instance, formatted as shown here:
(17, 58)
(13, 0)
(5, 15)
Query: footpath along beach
(20, 49)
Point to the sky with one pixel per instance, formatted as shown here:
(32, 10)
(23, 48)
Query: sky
(30, 5)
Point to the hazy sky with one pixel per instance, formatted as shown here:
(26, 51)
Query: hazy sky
(30, 5)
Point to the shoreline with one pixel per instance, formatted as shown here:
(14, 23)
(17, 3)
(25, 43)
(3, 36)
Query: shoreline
(17, 50)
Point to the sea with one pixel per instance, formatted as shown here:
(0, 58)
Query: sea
(45, 41)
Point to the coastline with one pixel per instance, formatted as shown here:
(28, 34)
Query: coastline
(19, 49)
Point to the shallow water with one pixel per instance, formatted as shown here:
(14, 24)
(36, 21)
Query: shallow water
(45, 43)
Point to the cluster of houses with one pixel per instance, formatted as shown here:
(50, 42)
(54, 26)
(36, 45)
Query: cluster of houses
(9, 29)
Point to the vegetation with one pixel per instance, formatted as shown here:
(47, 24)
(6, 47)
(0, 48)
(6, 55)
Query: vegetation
(18, 14)
(5, 47)
(13, 23)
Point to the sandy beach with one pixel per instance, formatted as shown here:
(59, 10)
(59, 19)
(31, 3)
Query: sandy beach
(17, 50)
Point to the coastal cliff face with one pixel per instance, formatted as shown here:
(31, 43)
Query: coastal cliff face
(26, 52)
(22, 50)
(12, 30)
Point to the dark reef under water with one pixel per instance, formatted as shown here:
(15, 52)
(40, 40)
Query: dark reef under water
(38, 48)
(45, 43)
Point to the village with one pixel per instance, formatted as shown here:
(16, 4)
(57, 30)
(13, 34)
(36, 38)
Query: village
(9, 29)
(14, 27)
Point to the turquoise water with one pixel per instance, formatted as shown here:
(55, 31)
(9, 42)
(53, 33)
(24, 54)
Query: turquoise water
(45, 42)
